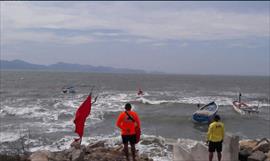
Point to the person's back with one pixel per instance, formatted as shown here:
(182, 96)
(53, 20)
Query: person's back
(216, 131)
(126, 124)
(128, 121)
(215, 136)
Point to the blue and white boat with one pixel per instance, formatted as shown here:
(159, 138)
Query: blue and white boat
(206, 113)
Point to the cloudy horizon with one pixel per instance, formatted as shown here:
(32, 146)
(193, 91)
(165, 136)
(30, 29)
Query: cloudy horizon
(173, 37)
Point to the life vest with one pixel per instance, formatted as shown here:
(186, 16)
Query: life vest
(127, 125)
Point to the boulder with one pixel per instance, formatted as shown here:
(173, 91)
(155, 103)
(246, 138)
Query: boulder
(244, 154)
(60, 156)
(76, 144)
(199, 152)
(263, 145)
(257, 156)
(268, 154)
(181, 153)
(40, 156)
(77, 155)
(230, 149)
(188, 150)
(247, 144)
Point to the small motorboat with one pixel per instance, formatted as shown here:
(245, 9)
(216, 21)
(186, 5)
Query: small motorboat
(242, 108)
(206, 113)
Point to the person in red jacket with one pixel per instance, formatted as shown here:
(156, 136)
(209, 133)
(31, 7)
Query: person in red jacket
(128, 121)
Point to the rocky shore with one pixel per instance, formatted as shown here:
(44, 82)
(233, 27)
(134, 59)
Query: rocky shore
(254, 150)
(183, 150)
(233, 150)
(92, 152)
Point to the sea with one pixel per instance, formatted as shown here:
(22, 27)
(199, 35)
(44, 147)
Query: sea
(36, 114)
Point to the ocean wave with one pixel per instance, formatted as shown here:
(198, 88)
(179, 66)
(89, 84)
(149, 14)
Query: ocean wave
(152, 102)
(9, 136)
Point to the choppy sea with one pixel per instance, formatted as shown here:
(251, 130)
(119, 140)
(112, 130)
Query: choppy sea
(34, 107)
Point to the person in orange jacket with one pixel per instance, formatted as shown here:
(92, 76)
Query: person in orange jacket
(128, 121)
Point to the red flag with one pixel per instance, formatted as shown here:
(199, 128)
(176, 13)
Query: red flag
(81, 115)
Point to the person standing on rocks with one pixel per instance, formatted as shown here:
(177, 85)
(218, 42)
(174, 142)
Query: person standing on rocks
(215, 136)
(128, 121)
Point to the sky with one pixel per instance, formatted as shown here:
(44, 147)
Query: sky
(178, 37)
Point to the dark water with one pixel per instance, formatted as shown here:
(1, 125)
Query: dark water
(34, 102)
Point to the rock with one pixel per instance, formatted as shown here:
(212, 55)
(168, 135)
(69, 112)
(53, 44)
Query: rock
(118, 148)
(257, 156)
(76, 144)
(267, 154)
(77, 155)
(263, 145)
(244, 154)
(60, 156)
(40, 156)
(24, 157)
(180, 153)
(197, 152)
(230, 150)
(247, 144)
(95, 145)
(4, 157)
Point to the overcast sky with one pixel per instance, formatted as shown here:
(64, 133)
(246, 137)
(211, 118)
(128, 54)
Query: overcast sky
(173, 37)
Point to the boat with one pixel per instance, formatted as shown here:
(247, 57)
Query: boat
(206, 113)
(69, 89)
(242, 108)
(140, 92)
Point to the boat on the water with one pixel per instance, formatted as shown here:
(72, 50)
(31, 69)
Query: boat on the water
(206, 113)
(69, 89)
(242, 108)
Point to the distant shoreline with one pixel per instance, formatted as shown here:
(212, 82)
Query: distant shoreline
(20, 65)
(165, 74)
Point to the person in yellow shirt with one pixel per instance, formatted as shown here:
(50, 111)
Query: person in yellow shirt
(215, 136)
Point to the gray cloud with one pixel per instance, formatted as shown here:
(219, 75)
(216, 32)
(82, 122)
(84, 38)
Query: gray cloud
(162, 24)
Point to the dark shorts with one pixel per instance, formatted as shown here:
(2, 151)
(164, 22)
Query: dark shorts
(215, 146)
(129, 138)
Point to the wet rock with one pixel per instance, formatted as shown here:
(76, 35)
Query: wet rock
(257, 156)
